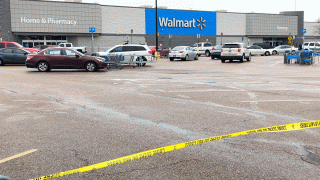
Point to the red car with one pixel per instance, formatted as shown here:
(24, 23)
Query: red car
(163, 52)
(7, 44)
(64, 58)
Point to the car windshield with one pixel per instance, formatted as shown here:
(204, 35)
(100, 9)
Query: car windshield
(231, 46)
(20, 46)
(178, 48)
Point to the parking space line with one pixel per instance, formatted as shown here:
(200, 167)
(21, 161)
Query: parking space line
(282, 101)
(18, 155)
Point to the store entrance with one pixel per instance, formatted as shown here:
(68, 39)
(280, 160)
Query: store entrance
(276, 41)
(31, 41)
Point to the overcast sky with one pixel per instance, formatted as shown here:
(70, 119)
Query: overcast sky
(311, 8)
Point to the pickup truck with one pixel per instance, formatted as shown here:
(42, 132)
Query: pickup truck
(69, 45)
(204, 48)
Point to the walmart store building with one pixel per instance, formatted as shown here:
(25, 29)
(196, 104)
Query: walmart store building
(33, 22)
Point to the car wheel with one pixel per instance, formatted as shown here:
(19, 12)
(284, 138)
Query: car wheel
(212, 57)
(249, 58)
(223, 60)
(242, 59)
(43, 66)
(142, 59)
(171, 59)
(207, 53)
(1, 62)
(187, 57)
(274, 52)
(90, 66)
(197, 57)
(293, 52)
(267, 53)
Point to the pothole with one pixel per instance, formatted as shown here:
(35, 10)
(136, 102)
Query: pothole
(311, 155)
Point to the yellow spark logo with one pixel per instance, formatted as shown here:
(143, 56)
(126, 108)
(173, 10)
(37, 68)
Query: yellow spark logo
(201, 23)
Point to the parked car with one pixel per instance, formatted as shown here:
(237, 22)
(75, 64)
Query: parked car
(127, 51)
(8, 44)
(13, 56)
(70, 45)
(216, 52)
(313, 46)
(183, 53)
(264, 45)
(257, 50)
(41, 47)
(283, 48)
(163, 51)
(235, 51)
(64, 58)
(204, 48)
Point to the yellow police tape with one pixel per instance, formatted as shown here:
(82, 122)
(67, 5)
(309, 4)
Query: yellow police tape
(287, 127)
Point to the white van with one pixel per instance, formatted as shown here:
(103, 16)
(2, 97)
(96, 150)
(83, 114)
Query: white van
(313, 46)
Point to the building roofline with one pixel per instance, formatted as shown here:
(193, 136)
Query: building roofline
(217, 11)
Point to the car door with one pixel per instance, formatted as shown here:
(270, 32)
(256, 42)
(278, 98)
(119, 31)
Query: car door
(113, 55)
(73, 59)
(192, 54)
(20, 56)
(7, 55)
(252, 50)
(54, 58)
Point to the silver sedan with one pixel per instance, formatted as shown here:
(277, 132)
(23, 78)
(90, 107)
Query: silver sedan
(183, 53)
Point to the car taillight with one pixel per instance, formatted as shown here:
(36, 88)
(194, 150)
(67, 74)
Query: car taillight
(213, 48)
(239, 50)
(85, 48)
(150, 52)
(181, 52)
(221, 50)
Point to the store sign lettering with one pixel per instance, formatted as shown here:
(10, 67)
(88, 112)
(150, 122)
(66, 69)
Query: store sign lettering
(47, 21)
(282, 28)
(177, 23)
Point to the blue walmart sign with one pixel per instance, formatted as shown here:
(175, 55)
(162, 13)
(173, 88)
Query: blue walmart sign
(177, 22)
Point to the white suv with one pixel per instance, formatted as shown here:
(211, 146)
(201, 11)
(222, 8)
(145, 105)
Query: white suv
(235, 51)
(127, 51)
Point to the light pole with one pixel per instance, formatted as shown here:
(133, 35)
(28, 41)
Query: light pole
(131, 35)
(156, 53)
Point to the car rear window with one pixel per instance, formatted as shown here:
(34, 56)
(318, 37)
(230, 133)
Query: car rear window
(177, 48)
(231, 46)
(311, 44)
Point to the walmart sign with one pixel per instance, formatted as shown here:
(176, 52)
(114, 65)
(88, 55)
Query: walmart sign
(181, 22)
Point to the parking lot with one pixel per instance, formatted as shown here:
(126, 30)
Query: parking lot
(74, 118)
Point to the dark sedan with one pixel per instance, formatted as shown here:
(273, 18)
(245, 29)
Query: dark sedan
(13, 56)
(64, 58)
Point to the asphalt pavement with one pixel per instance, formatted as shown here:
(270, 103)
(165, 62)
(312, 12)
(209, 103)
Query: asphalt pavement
(73, 118)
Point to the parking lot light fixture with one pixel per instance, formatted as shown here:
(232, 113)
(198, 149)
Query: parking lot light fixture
(156, 27)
